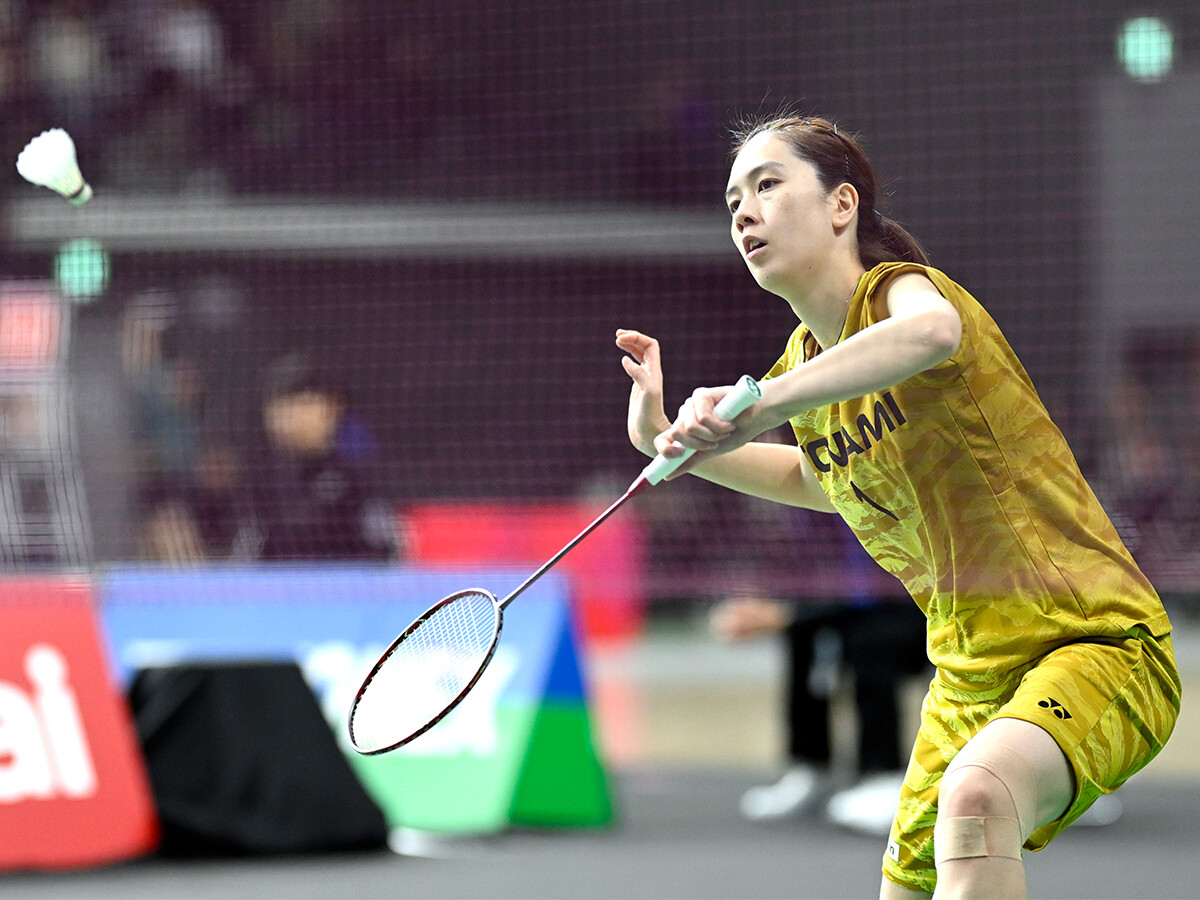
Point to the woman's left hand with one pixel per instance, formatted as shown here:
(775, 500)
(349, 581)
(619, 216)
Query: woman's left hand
(699, 428)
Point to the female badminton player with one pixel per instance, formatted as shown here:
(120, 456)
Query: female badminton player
(1055, 678)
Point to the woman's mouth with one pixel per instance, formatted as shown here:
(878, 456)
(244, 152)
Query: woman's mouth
(753, 246)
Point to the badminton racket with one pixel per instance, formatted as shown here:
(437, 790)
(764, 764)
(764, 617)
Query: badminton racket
(435, 662)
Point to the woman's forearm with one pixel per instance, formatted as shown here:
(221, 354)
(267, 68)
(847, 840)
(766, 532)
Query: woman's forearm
(769, 471)
(873, 360)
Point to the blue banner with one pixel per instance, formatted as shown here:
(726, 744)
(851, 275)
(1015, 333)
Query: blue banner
(335, 622)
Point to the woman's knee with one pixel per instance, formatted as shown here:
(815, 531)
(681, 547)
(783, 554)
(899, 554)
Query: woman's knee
(1011, 768)
(973, 790)
(977, 816)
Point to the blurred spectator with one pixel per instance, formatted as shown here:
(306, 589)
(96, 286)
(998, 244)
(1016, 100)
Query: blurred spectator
(167, 394)
(167, 391)
(158, 141)
(185, 37)
(312, 500)
(20, 104)
(189, 485)
(218, 505)
(169, 533)
(874, 636)
(198, 95)
(346, 98)
(272, 149)
(208, 518)
(879, 645)
(71, 66)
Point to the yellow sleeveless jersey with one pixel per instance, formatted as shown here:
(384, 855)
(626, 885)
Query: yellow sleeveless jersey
(957, 482)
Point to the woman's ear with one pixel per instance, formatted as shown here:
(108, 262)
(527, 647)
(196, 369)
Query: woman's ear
(845, 204)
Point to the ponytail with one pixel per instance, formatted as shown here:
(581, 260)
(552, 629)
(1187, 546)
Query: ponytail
(887, 241)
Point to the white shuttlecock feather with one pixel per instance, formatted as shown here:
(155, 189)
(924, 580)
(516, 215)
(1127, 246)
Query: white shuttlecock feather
(49, 160)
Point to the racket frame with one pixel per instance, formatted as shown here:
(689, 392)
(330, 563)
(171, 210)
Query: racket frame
(387, 654)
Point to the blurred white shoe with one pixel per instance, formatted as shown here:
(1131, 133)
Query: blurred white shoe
(790, 795)
(869, 807)
(1106, 810)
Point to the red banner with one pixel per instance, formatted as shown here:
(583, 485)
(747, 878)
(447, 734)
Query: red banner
(605, 569)
(30, 325)
(73, 787)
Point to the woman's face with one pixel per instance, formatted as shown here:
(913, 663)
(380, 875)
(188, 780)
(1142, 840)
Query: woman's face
(782, 218)
(303, 423)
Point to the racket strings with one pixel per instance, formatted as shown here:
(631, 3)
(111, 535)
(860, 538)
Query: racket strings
(428, 670)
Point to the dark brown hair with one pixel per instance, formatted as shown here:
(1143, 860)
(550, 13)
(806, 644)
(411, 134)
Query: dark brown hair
(838, 158)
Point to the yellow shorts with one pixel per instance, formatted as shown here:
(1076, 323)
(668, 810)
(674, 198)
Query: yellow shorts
(1110, 703)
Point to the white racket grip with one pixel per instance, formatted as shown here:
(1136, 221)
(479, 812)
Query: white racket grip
(744, 395)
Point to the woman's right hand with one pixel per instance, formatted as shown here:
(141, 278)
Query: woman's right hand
(647, 417)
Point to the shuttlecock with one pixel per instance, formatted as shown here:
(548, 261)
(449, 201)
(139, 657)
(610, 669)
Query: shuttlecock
(49, 160)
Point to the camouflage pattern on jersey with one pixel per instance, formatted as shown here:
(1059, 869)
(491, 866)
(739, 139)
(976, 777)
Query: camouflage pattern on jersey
(957, 482)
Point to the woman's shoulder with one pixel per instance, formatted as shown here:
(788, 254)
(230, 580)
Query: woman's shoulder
(880, 277)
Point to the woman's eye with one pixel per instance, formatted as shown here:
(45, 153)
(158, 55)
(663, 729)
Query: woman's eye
(733, 206)
(767, 184)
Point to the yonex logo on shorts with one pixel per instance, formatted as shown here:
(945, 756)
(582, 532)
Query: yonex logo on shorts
(1058, 708)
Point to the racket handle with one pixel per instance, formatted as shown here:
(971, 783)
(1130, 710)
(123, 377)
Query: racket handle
(744, 395)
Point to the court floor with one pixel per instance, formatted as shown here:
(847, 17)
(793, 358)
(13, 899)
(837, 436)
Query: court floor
(687, 725)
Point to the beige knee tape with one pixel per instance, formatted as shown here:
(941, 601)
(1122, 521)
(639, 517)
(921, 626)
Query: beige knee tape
(968, 837)
(1014, 772)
